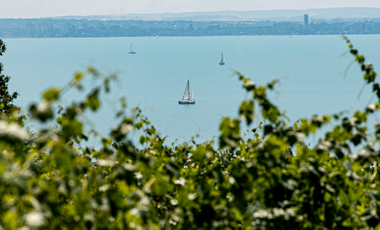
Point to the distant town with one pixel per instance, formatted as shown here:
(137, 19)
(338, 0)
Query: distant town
(61, 28)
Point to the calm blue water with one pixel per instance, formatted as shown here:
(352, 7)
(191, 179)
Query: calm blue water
(310, 68)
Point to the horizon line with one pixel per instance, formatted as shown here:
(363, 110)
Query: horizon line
(186, 12)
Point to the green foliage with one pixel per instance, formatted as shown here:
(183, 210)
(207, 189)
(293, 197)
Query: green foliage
(271, 179)
(51, 94)
(7, 108)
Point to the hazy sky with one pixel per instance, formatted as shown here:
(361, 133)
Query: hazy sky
(48, 8)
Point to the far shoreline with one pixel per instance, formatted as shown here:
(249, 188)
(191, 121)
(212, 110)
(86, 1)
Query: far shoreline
(269, 35)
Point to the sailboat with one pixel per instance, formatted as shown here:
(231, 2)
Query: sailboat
(188, 96)
(131, 51)
(221, 60)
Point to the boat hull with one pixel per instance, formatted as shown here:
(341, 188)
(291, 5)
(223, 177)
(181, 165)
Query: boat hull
(186, 102)
(221, 63)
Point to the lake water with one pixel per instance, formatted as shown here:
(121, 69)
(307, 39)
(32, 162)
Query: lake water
(310, 69)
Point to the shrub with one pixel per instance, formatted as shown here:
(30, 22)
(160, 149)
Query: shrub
(51, 183)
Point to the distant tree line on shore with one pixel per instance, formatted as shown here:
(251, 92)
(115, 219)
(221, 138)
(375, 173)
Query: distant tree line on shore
(38, 28)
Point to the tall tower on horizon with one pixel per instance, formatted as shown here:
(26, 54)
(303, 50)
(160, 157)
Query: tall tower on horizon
(306, 19)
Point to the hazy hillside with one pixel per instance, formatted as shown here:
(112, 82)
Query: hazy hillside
(272, 15)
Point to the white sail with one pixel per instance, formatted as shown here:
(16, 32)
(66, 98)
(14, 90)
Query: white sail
(192, 96)
(186, 94)
(131, 50)
(221, 58)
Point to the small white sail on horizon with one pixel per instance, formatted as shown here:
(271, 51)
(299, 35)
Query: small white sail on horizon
(192, 96)
(188, 96)
(221, 59)
(131, 51)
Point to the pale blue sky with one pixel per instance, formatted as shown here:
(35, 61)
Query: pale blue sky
(49, 8)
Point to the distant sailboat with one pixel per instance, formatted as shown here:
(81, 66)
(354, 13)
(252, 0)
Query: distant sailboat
(188, 96)
(131, 51)
(221, 60)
